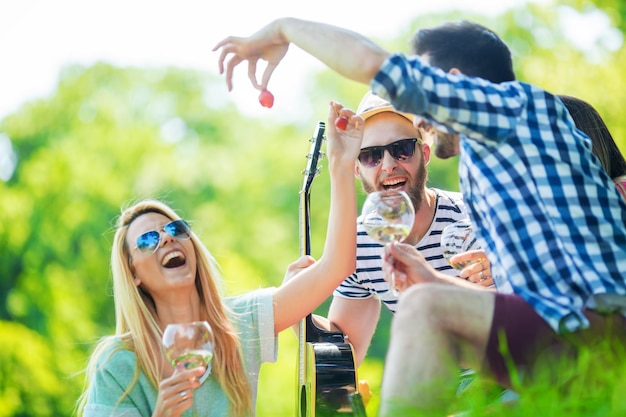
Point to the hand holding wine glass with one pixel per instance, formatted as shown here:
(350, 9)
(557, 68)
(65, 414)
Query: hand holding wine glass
(463, 252)
(388, 217)
(189, 345)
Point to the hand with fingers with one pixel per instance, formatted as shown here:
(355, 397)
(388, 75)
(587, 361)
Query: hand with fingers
(344, 139)
(303, 262)
(408, 264)
(176, 392)
(477, 269)
(267, 44)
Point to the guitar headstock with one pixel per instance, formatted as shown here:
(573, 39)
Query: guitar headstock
(314, 155)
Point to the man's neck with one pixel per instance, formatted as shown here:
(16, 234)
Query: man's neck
(423, 217)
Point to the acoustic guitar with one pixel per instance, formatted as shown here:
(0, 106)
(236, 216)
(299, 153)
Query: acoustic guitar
(327, 379)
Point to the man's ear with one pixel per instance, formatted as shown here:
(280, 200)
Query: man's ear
(357, 170)
(426, 153)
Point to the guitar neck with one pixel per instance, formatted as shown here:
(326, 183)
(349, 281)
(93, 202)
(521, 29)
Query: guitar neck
(305, 249)
(305, 238)
(305, 233)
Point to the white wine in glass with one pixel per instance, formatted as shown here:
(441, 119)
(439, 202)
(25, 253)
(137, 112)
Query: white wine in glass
(189, 345)
(456, 238)
(387, 217)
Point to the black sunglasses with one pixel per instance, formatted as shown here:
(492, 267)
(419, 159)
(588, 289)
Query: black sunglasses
(149, 241)
(400, 150)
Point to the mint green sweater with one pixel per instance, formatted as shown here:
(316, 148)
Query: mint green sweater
(253, 318)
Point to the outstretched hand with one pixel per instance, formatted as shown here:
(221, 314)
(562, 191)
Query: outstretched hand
(267, 44)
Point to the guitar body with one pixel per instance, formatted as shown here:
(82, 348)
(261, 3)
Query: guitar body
(327, 378)
(331, 371)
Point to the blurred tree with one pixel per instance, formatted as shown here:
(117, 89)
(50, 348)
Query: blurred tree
(614, 9)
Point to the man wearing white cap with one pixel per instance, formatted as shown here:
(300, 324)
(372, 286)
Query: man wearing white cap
(394, 155)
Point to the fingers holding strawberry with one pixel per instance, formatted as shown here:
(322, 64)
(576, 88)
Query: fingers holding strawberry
(344, 133)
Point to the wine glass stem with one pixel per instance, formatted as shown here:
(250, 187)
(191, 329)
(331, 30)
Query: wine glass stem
(392, 284)
(392, 281)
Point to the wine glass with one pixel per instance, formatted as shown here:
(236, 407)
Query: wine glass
(456, 238)
(189, 345)
(388, 217)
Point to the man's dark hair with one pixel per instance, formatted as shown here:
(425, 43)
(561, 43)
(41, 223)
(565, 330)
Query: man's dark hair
(471, 48)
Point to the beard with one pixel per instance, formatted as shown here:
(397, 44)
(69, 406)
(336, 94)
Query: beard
(446, 145)
(416, 187)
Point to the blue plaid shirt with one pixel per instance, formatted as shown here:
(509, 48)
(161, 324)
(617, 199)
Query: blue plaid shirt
(551, 220)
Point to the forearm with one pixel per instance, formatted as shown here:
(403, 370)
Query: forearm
(346, 52)
(459, 282)
(339, 255)
(357, 318)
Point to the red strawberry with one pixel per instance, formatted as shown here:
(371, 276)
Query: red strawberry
(266, 99)
(341, 122)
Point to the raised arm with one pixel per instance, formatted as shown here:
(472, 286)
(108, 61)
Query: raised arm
(300, 295)
(346, 52)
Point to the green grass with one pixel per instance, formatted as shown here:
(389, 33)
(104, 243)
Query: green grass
(594, 385)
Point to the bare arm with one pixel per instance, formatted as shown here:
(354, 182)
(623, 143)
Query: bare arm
(357, 319)
(348, 53)
(300, 295)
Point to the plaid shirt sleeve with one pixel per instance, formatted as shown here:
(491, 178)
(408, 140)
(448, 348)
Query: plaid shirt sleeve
(453, 103)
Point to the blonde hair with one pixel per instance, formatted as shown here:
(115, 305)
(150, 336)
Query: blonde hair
(137, 327)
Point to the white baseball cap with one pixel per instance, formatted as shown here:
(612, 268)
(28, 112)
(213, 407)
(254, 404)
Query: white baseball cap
(371, 104)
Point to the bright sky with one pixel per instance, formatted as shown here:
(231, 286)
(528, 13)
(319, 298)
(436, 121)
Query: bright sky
(39, 37)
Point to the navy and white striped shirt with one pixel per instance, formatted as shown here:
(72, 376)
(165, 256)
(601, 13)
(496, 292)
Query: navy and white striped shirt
(368, 280)
(551, 220)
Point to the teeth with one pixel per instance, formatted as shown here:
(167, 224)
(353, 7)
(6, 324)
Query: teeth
(393, 181)
(172, 255)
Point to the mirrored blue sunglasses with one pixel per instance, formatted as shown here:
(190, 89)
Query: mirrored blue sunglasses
(149, 241)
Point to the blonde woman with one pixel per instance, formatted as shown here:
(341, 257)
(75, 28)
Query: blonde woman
(162, 274)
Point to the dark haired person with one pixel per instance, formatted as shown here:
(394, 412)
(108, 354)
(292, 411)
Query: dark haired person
(604, 147)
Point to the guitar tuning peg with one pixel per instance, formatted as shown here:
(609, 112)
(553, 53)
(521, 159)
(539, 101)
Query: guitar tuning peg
(322, 155)
(317, 171)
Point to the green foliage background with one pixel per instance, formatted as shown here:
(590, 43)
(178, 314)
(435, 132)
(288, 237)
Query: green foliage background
(112, 135)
